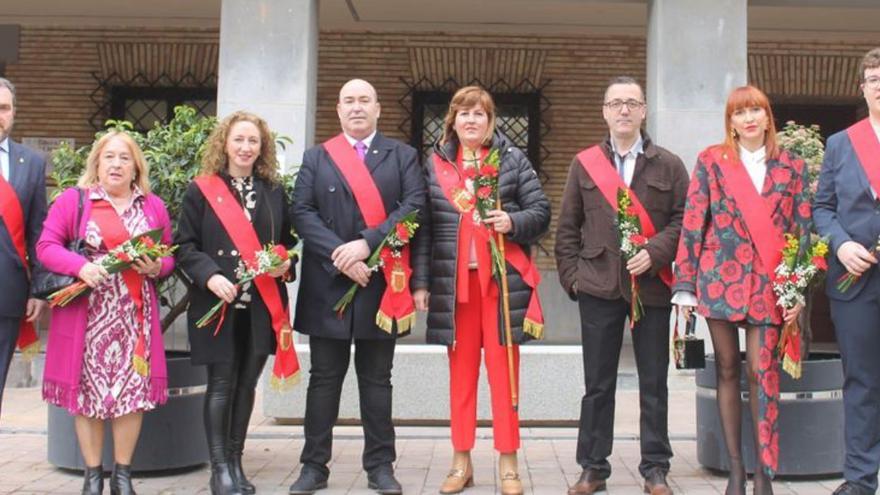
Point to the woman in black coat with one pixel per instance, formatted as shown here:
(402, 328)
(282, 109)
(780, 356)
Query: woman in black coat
(452, 262)
(241, 152)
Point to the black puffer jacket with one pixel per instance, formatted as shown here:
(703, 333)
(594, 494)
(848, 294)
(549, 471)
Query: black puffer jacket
(435, 245)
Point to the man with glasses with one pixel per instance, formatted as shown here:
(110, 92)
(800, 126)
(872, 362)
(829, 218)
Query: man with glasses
(594, 274)
(847, 211)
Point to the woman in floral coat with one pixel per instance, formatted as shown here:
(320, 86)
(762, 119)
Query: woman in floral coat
(744, 195)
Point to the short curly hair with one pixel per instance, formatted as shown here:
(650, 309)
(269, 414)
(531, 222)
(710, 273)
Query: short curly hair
(215, 160)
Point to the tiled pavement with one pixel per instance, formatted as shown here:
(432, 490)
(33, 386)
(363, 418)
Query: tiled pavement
(546, 460)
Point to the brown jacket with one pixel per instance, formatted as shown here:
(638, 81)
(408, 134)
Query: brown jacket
(587, 247)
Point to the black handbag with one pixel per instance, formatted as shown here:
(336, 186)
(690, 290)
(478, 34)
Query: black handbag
(688, 351)
(44, 282)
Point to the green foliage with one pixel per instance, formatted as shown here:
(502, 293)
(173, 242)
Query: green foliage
(806, 142)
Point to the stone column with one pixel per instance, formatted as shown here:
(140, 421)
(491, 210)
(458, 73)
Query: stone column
(696, 56)
(269, 66)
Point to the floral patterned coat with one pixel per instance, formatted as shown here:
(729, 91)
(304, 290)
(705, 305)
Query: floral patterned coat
(716, 258)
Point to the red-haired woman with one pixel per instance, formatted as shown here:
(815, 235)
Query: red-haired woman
(744, 195)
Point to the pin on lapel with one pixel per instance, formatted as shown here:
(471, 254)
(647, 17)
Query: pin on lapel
(20, 160)
(219, 199)
(375, 151)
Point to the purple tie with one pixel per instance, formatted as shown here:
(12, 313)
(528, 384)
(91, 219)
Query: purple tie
(361, 149)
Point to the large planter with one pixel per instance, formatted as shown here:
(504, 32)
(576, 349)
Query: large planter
(172, 436)
(811, 440)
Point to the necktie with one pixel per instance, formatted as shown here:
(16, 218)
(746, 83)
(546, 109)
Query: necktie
(621, 165)
(361, 149)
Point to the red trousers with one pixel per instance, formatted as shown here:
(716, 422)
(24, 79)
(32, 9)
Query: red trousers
(476, 329)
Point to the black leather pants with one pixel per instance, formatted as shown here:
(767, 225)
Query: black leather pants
(229, 399)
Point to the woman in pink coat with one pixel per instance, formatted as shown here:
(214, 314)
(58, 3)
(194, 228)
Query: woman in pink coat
(90, 365)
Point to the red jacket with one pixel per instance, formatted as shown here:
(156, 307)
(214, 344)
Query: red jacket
(716, 258)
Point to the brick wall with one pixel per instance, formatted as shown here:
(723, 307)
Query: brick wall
(55, 81)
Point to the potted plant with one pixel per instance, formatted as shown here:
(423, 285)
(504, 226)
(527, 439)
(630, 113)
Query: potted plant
(810, 408)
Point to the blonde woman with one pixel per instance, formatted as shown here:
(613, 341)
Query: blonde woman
(93, 340)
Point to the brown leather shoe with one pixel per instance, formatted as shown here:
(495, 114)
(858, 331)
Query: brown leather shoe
(461, 475)
(589, 483)
(655, 483)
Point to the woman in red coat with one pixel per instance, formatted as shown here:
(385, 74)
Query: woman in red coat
(744, 194)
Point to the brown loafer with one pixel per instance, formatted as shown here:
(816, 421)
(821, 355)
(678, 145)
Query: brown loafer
(590, 482)
(457, 480)
(655, 483)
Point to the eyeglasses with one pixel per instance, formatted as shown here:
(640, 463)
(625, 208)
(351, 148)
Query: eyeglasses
(872, 82)
(631, 105)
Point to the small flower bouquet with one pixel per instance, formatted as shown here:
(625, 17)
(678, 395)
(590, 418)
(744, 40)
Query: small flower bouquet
(485, 181)
(118, 259)
(629, 231)
(848, 279)
(792, 277)
(268, 259)
(392, 256)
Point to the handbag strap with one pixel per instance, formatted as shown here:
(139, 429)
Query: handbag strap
(79, 212)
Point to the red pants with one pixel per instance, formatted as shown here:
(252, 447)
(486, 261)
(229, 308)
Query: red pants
(476, 327)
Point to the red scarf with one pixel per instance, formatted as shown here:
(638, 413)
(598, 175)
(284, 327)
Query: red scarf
(452, 183)
(12, 216)
(397, 302)
(114, 233)
(600, 169)
(752, 207)
(867, 147)
(242, 234)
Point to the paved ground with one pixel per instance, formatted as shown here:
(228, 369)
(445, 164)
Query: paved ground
(547, 458)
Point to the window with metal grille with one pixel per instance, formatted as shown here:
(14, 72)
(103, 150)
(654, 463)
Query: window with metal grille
(518, 116)
(143, 107)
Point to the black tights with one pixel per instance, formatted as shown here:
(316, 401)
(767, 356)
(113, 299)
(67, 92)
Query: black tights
(229, 399)
(725, 340)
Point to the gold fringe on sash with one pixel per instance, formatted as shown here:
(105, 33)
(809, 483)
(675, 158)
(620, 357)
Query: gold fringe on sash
(140, 365)
(404, 324)
(533, 328)
(30, 351)
(284, 384)
(792, 367)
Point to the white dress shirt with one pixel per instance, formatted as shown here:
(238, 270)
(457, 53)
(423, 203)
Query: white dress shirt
(4, 158)
(756, 165)
(629, 159)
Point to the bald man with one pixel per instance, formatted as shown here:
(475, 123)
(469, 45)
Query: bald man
(350, 192)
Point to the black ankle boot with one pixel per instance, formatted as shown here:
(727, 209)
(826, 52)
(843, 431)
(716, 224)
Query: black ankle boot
(238, 476)
(93, 480)
(736, 481)
(221, 480)
(120, 480)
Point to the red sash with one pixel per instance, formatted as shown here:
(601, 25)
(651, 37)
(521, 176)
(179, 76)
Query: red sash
(397, 302)
(601, 170)
(453, 185)
(242, 234)
(864, 141)
(768, 240)
(13, 217)
(114, 233)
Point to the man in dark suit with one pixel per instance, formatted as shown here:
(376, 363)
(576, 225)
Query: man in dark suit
(846, 209)
(329, 214)
(593, 272)
(25, 171)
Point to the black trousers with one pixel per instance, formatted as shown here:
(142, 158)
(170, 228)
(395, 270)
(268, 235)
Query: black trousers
(372, 360)
(858, 335)
(602, 327)
(8, 339)
(229, 399)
